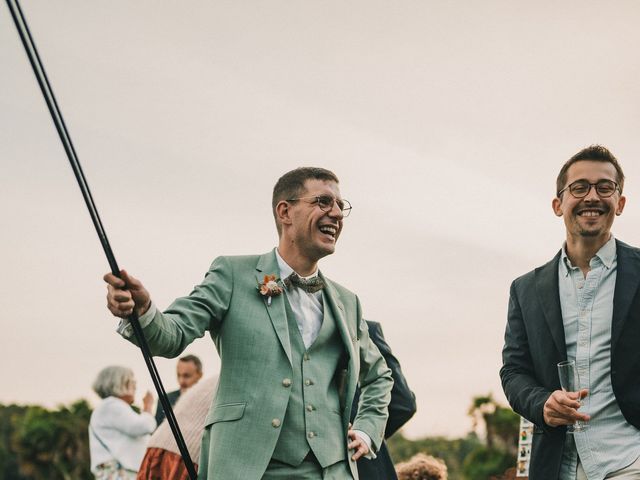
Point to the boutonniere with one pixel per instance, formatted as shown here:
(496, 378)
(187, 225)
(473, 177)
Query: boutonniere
(269, 288)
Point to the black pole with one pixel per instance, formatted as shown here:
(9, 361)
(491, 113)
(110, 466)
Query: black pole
(56, 116)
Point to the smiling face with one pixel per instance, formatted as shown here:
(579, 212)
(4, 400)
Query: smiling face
(308, 231)
(590, 217)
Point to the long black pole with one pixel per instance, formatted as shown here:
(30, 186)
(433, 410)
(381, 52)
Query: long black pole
(56, 115)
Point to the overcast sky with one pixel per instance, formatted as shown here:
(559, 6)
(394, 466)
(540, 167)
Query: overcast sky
(446, 121)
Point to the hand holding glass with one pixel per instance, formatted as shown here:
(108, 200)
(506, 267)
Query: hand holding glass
(570, 382)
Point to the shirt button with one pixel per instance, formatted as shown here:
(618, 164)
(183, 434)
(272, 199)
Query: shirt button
(311, 434)
(286, 382)
(275, 423)
(309, 408)
(305, 357)
(308, 382)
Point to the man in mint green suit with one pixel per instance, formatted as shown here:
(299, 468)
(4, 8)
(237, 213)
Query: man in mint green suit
(292, 343)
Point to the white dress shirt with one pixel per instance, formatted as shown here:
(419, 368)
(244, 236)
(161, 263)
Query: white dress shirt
(307, 307)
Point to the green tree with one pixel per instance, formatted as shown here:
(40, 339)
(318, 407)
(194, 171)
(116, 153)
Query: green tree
(501, 426)
(488, 450)
(452, 451)
(10, 416)
(500, 423)
(53, 445)
(485, 461)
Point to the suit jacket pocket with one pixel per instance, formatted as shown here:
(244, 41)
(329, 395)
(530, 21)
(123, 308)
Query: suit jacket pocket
(227, 412)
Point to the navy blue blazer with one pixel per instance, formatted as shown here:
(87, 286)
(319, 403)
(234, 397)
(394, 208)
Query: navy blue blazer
(401, 408)
(535, 343)
(173, 398)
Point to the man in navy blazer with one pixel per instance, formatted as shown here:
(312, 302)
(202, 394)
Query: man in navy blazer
(401, 408)
(584, 305)
(188, 373)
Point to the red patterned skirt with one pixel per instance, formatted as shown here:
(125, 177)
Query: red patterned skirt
(159, 464)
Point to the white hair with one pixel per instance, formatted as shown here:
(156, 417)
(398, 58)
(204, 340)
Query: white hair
(114, 381)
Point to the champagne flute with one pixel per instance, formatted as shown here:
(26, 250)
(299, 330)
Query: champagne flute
(570, 382)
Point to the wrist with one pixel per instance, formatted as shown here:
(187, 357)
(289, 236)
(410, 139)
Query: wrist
(145, 308)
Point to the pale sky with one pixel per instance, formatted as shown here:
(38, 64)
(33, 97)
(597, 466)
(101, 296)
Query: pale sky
(446, 121)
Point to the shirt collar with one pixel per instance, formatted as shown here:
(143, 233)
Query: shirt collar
(606, 254)
(286, 270)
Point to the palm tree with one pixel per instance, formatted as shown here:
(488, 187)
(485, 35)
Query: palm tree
(500, 424)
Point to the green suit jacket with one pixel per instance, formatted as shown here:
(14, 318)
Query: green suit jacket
(252, 339)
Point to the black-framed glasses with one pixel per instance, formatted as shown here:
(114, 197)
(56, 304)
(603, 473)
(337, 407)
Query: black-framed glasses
(581, 188)
(326, 203)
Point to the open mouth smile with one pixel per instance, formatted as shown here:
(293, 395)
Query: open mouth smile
(329, 230)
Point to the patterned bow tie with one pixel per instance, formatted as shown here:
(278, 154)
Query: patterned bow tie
(311, 285)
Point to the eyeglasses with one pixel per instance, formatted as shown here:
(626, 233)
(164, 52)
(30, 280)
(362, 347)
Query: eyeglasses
(326, 203)
(581, 188)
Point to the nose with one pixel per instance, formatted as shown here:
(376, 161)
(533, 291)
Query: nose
(335, 211)
(592, 195)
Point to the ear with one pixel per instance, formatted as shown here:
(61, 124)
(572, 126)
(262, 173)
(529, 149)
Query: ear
(621, 203)
(283, 213)
(556, 205)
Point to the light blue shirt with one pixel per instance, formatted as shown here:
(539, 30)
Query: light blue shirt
(610, 442)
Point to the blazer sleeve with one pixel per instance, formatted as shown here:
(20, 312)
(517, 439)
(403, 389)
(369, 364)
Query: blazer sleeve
(188, 318)
(375, 388)
(525, 393)
(403, 401)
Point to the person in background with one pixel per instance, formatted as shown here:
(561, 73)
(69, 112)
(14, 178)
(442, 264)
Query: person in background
(163, 459)
(117, 434)
(401, 408)
(188, 372)
(422, 467)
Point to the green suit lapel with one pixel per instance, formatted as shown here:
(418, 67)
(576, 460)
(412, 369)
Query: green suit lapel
(268, 265)
(337, 310)
(349, 338)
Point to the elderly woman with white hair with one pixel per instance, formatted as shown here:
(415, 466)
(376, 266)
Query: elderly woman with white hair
(117, 434)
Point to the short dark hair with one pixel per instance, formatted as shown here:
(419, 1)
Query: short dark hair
(594, 153)
(192, 358)
(291, 185)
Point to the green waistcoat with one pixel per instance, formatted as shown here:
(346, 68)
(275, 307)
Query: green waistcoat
(313, 419)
